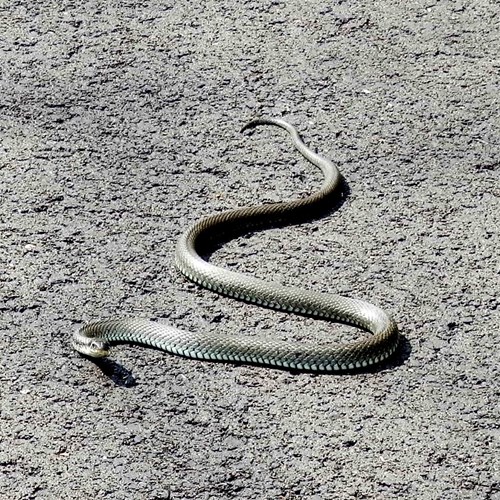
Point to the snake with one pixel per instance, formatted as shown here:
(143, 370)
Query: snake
(378, 343)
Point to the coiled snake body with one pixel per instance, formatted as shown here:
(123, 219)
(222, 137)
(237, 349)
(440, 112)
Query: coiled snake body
(94, 338)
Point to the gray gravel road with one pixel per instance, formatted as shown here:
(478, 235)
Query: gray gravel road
(119, 127)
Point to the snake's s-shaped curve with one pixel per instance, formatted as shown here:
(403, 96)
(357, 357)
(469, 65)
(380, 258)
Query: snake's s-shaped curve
(94, 338)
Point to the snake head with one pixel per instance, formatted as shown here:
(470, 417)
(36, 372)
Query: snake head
(94, 348)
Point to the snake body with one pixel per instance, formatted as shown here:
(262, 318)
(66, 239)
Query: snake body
(94, 339)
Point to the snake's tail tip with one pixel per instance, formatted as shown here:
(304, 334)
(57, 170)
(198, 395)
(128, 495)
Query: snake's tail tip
(253, 123)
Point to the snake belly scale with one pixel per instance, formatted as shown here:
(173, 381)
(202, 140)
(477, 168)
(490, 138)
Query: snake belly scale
(94, 338)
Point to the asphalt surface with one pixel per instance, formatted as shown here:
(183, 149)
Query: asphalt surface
(120, 126)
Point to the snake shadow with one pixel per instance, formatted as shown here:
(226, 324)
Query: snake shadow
(117, 373)
(209, 244)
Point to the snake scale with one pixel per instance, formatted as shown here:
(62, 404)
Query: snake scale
(94, 338)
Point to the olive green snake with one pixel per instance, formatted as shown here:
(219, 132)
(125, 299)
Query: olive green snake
(94, 339)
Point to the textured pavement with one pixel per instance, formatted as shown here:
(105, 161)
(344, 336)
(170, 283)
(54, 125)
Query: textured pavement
(119, 127)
